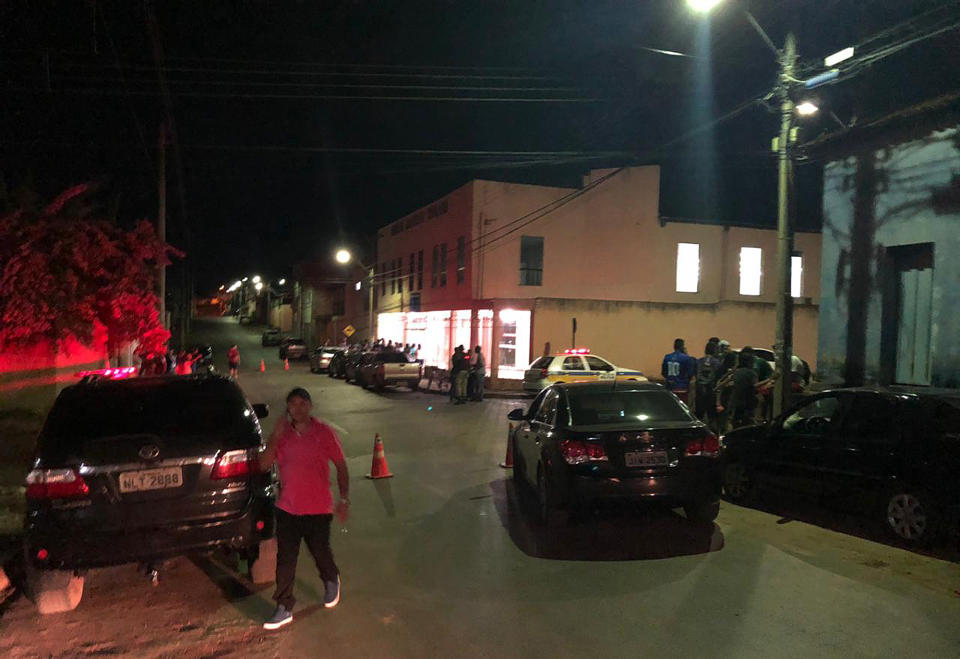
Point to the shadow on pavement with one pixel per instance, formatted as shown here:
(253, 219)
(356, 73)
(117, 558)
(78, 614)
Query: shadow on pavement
(608, 533)
(946, 548)
(385, 492)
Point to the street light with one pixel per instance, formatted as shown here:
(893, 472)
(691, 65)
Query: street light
(806, 108)
(258, 286)
(343, 256)
(256, 279)
(703, 6)
(282, 282)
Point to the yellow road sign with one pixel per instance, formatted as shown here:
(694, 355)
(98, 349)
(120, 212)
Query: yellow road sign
(349, 330)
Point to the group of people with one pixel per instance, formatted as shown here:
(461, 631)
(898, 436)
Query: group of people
(184, 362)
(729, 388)
(411, 350)
(467, 373)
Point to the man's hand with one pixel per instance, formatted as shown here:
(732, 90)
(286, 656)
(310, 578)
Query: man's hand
(342, 511)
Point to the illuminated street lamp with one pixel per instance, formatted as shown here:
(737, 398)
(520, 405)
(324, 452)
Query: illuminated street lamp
(343, 256)
(806, 108)
(256, 279)
(282, 282)
(703, 6)
(258, 286)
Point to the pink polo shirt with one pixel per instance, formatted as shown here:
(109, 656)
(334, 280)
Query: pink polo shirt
(303, 460)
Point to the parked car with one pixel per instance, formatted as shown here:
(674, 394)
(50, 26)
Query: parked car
(892, 456)
(595, 441)
(338, 363)
(382, 369)
(576, 365)
(351, 365)
(271, 337)
(138, 470)
(320, 358)
(292, 348)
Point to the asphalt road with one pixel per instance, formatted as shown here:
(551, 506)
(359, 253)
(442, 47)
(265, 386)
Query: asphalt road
(445, 560)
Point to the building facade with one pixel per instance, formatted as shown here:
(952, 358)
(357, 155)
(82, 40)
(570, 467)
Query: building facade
(890, 310)
(513, 267)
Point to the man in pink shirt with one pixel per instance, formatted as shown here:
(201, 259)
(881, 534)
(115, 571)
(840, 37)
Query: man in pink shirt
(303, 447)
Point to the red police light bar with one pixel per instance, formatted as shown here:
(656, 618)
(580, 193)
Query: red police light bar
(577, 351)
(111, 373)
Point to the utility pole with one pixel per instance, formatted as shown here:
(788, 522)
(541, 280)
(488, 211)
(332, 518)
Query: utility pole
(784, 332)
(162, 213)
(370, 279)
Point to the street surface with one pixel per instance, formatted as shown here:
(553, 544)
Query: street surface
(444, 560)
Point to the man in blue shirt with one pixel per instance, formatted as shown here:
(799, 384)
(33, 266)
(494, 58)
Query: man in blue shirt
(678, 369)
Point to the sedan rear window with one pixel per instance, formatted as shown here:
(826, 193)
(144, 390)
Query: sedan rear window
(620, 407)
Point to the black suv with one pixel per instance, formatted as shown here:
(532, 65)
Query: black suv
(140, 470)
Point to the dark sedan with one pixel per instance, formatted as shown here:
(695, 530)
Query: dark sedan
(583, 442)
(321, 358)
(892, 456)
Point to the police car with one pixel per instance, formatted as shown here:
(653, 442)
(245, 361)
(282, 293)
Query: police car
(576, 365)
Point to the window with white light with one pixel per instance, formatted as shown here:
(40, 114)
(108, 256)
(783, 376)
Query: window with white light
(751, 260)
(688, 267)
(796, 275)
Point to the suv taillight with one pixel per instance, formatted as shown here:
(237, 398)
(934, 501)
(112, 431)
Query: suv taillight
(56, 484)
(708, 446)
(234, 464)
(575, 451)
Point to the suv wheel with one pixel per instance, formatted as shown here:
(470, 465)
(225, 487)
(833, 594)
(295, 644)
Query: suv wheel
(910, 516)
(702, 511)
(53, 591)
(263, 567)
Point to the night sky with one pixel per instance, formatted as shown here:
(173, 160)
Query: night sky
(269, 169)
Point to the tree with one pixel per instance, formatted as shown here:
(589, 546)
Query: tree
(62, 271)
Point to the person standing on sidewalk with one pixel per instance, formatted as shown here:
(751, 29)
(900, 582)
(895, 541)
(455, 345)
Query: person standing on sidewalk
(478, 371)
(233, 360)
(678, 369)
(303, 447)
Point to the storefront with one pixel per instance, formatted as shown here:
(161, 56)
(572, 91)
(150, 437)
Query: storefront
(438, 333)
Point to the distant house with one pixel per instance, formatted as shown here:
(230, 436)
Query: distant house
(890, 283)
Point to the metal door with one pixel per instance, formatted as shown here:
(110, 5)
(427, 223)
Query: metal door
(915, 281)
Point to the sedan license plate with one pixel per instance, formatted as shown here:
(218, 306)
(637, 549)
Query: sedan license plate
(151, 479)
(645, 458)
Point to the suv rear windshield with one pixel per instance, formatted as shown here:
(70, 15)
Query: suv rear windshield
(172, 409)
(624, 407)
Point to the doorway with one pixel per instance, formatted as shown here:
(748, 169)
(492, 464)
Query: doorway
(913, 281)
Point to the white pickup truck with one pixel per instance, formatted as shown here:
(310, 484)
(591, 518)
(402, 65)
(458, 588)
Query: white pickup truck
(382, 369)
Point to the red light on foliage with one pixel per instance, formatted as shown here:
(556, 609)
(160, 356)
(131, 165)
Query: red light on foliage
(42, 555)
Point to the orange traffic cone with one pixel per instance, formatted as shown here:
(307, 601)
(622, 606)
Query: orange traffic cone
(379, 468)
(286, 364)
(508, 461)
(263, 366)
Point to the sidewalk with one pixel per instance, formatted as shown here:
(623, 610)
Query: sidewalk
(444, 388)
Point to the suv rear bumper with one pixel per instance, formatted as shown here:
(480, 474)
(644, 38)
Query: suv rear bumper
(75, 548)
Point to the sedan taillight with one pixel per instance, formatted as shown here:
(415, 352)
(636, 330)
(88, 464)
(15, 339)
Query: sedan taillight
(56, 484)
(708, 446)
(234, 464)
(543, 373)
(575, 451)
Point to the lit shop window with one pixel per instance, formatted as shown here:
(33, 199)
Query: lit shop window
(750, 270)
(514, 347)
(688, 267)
(796, 276)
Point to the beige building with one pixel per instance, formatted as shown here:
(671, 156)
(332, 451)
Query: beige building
(509, 266)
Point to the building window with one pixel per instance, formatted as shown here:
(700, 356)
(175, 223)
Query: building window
(796, 275)
(383, 279)
(443, 264)
(461, 260)
(433, 266)
(751, 260)
(531, 261)
(412, 266)
(514, 347)
(688, 267)
(420, 270)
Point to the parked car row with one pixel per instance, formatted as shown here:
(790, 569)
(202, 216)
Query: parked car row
(376, 369)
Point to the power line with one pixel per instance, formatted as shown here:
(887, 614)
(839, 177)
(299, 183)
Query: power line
(318, 97)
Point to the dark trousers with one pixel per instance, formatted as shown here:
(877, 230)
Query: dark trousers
(291, 529)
